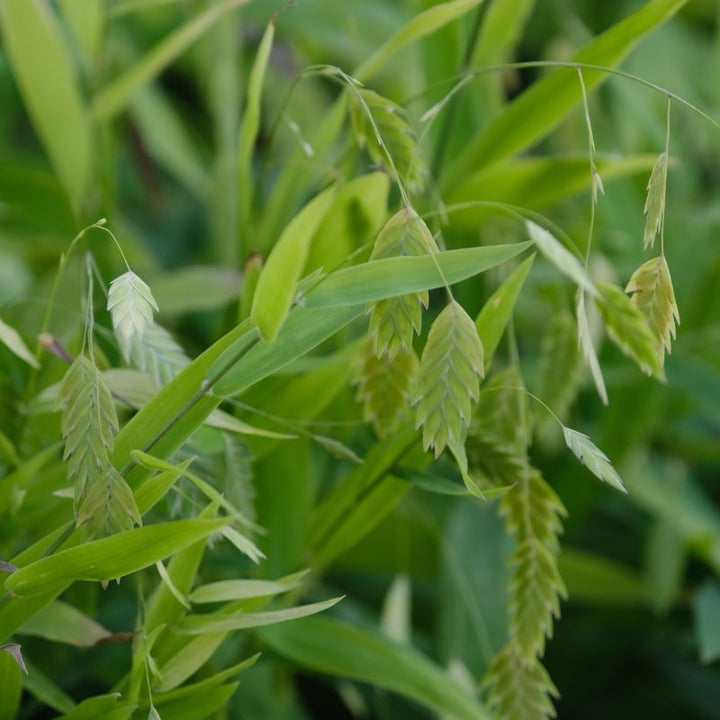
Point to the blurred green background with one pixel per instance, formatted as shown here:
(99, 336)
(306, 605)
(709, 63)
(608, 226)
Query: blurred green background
(640, 634)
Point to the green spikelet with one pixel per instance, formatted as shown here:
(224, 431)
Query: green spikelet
(131, 305)
(652, 293)
(89, 424)
(655, 201)
(520, 686)
(394, 321)
(520, 689)
(450, 369)
(499, 430)
(239, 488)
(561, 367)
(157, 354)
(384, 387)
(396, 144)
(108, 506)
(629, 329)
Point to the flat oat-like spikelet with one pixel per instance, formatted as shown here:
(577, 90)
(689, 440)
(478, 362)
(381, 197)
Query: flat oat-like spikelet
(655, 201)
(450, 369)
(131, 306)
(628, 329)
(393, 321)
(158, 355)
(520, 690)
(652, 293)
(384, 386)
(397, 144)
(89, 424)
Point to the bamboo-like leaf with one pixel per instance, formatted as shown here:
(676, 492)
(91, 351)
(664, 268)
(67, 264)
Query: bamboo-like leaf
(520, 690)
(157, 354)
(380, 124)
(585, 341)
(251, 124)
(394, 321)
(10, 337)
(654, 296)
(325, 645)
(49, 88)
(450, 368)
(539, 109)
(131, 305)
(240, 620)
(560, 257)
(592, 457)
(113, 98)
(384, 386)
(111, 557)
(391, 277)
(86, 18)
(655, 202)
(89, 424)
(629, 329)
(419, 26)
(226, 590)
(276, 286)
(108, 506)
(497, 311)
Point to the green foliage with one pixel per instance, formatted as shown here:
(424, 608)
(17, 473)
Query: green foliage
(299, 191)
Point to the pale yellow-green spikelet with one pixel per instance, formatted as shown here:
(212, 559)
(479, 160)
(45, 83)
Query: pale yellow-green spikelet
(652, 293)
(628, 329)
(520, 690)
(384, 387)
(394, 321)
(519, 685)
(655, 201)
(131, 305)
(103, 500)
(450, 370)
(397, 145)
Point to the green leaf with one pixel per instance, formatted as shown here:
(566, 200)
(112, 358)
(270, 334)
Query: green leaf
(421, 25)
(86, 19)
(60, 622)
(251, 125)
(11, 683)
(532, 182)
(629, 330)
(276, 287)
(107, 707)
(226, 590)
(43, 689)
(540, 108)
(665, 560)
(592, 457)
(497, 311)
(560, 257)
(327, 646)
(12, 340)
(241, 620)
(171, 145)
(706, 610)
(111, 557)
(49, 89)
(450, 368)
(113, 98)
(131, 304)
(391, 277)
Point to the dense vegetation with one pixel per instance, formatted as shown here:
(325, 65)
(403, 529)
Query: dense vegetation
(341, 355)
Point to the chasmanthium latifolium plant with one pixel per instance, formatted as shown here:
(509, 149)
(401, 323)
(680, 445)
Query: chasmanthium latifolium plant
(159, 451)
